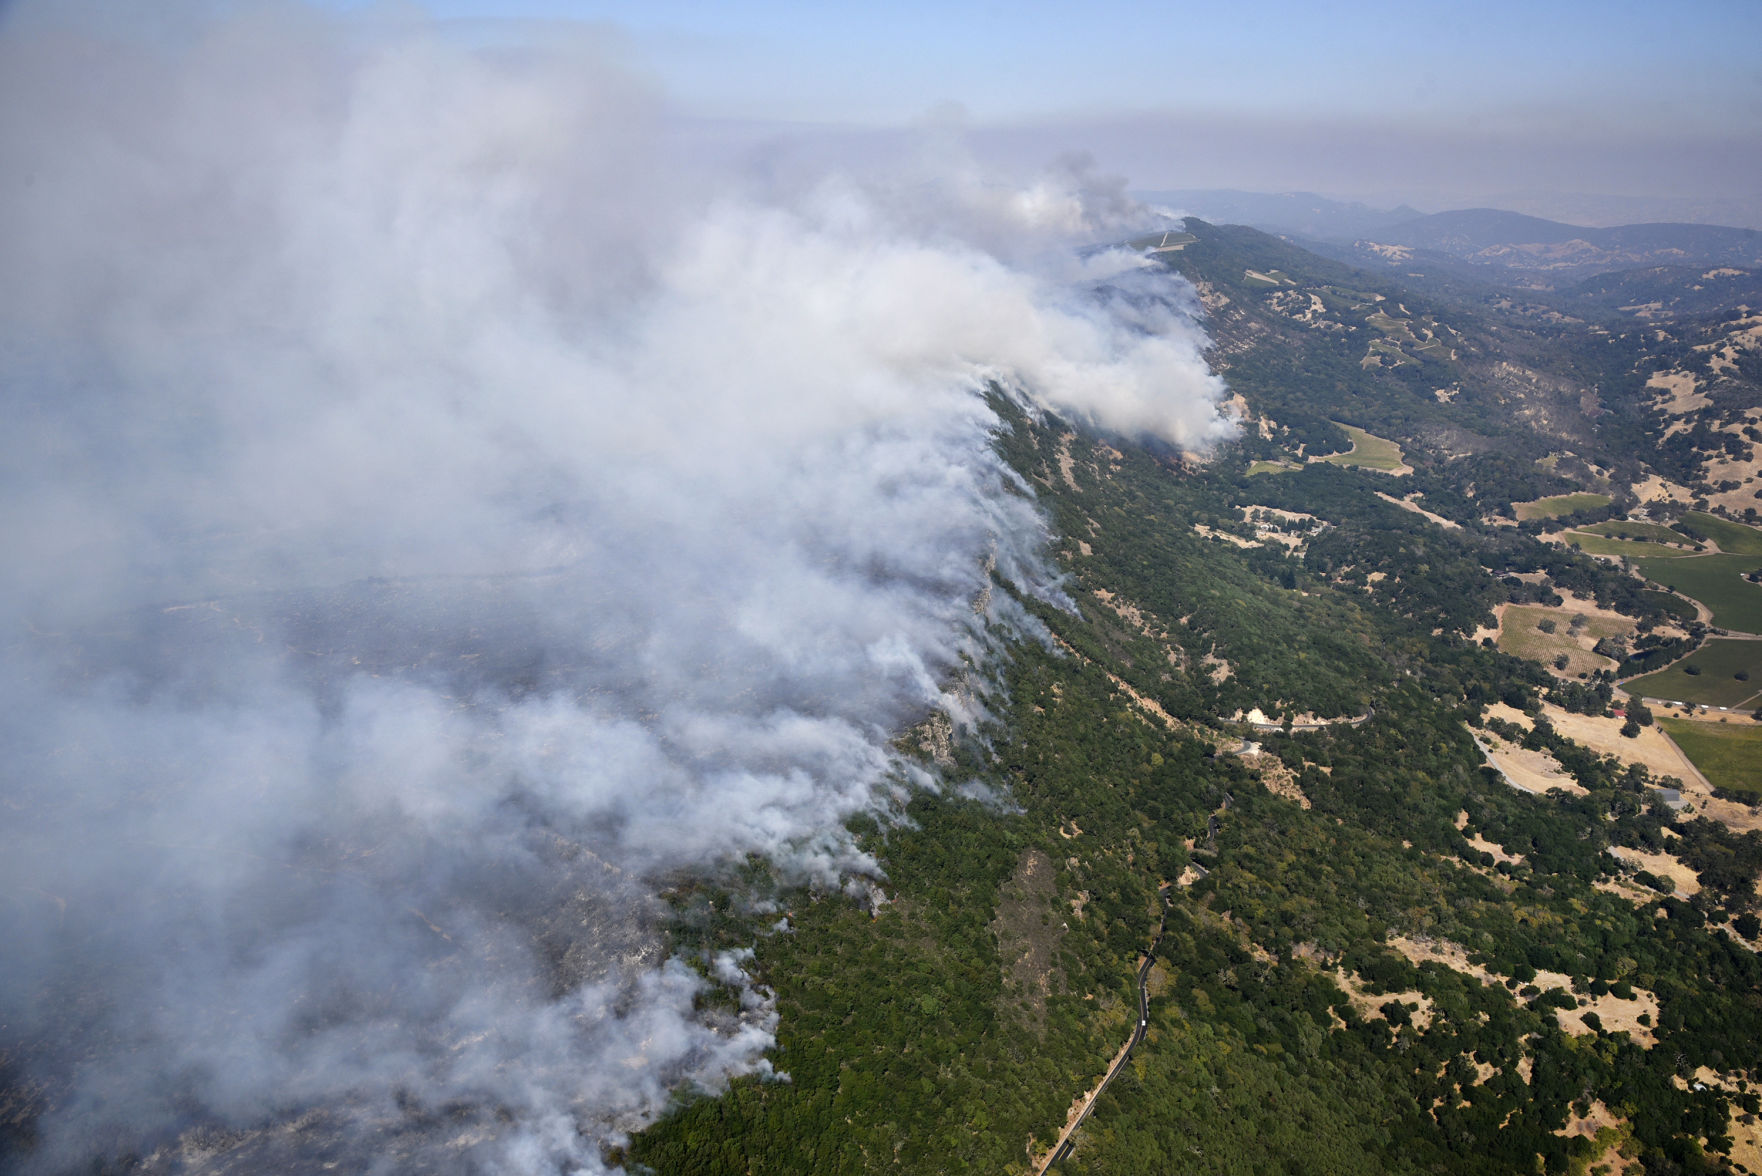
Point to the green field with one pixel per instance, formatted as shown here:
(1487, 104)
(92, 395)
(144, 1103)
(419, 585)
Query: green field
(1270, 467)
(1559, 505)
(1717, 582)
(1719, 662)
(1733, 538)
(1642, 532)
(1729, 755)
(1368, 451)
(1604, 545)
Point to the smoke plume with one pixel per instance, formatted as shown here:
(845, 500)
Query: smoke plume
(438, 518)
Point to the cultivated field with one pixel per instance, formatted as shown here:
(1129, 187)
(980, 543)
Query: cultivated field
(1732, 538)
(1730, 755)
(1523, 633)
(1723, 672)
(1608, 545)
(1717, 581)
(1642, 532)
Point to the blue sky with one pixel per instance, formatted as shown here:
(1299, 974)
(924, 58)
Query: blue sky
(1694, 62)
(1653, 99)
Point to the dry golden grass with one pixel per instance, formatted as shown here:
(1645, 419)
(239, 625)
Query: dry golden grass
(1520, 632)
(1665, 865)
(1678, 391)
(1369, 1005)
(1651, 747)
(1404, 504)
(1617, 1015)
(1535, 772)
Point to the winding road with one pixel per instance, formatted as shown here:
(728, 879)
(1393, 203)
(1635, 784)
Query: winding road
(1062, 1148)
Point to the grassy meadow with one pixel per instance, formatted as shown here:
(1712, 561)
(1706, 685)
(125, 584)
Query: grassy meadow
(1368, 452)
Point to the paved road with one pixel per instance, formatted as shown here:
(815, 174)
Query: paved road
(1063, 1147)
(1742, 709)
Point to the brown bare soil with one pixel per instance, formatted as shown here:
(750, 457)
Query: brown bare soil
(1148, 705)
(1279, 779)
(1515, 631)
(1067, 466)
(1028, 926)
(1406, 504)
(1632, 892)
(1660, 755)
(1227, 537)
(1746, 1139)
(1488, 847)
(1128, 612)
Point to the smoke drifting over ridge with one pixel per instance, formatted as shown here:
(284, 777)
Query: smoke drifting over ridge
(437, 521)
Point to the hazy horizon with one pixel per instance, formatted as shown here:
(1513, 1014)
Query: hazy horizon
(1599, 113)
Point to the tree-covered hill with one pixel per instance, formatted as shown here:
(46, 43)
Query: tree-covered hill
(1380, 953)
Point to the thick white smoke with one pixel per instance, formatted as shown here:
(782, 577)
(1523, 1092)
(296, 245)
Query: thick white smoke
(434, 522)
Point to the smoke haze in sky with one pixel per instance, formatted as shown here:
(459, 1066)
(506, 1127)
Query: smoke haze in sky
(1646, 111)
(439, 520)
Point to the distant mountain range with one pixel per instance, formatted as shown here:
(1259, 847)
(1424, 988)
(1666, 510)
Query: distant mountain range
(1291, 214)
(1476, 242)
(1487, 236)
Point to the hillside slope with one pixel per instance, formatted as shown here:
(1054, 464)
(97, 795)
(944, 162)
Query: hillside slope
(1409, 925)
